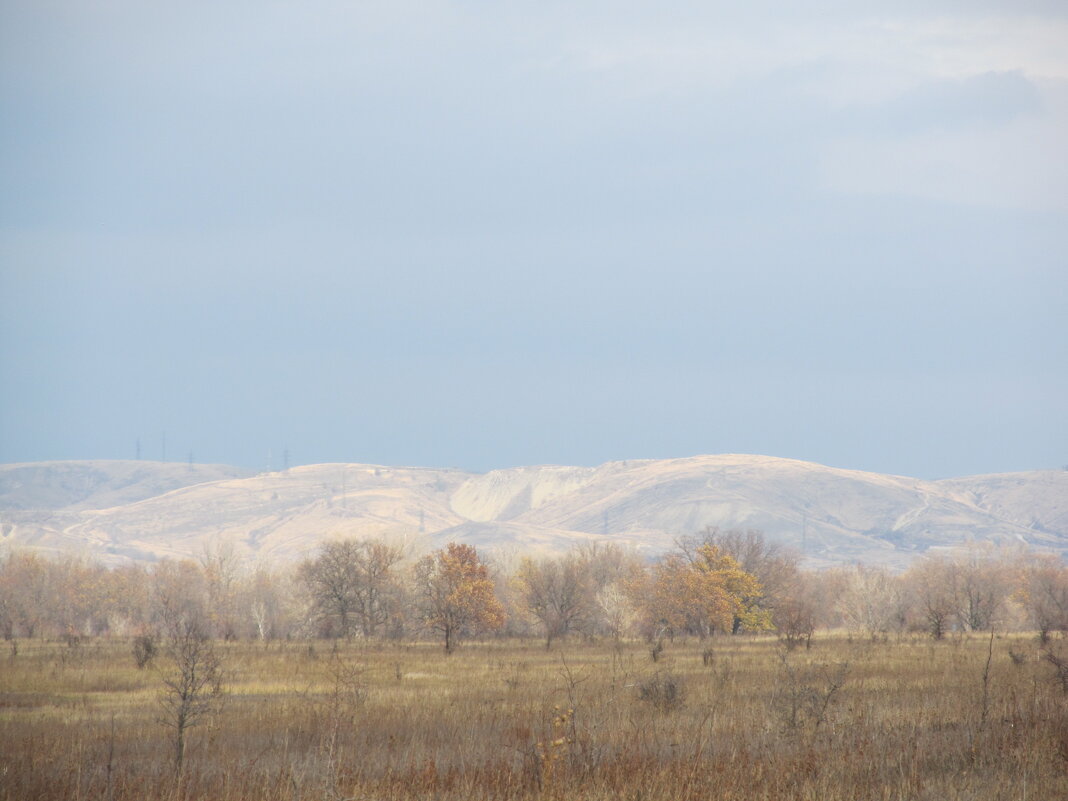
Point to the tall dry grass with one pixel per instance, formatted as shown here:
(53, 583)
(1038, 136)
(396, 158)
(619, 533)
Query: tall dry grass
(903, 719)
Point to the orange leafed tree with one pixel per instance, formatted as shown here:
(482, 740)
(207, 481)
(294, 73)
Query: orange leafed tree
(457, 594)
(699, 594)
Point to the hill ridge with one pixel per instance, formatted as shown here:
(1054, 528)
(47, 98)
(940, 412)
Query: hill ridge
(147, 510)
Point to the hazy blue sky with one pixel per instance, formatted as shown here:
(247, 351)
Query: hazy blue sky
(482, 234)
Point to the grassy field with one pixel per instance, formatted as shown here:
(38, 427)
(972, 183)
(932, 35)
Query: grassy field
(731, 718)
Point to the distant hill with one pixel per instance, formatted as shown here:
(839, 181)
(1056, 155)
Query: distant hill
(117, 511)
(100, 484)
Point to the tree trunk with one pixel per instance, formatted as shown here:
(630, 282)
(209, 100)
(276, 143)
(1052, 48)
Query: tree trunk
(179, 750)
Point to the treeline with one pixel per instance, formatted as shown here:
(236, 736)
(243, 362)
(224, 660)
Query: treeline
(718, 582)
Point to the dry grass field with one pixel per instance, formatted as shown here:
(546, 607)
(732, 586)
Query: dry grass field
(730, 718)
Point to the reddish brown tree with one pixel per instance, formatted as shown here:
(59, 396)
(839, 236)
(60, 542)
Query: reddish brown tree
(456, 593)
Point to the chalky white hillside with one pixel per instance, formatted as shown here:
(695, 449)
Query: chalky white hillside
(116, 511)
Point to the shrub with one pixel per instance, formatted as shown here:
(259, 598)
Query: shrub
(663, 691)
(144, 650)
(805, 694)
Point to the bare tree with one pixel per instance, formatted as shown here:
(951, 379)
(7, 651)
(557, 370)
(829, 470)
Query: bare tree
(266, 595)
(559, 592)
(966, 589)
(221, 568)
(609, 562)
(24, 594)
(871, 601)
(930, 585)
(192, 686)
(980, 580)
(611, 566)
(376, 590)
(1043, 590)
(129, 599)
(330, 580)
(799, 610)
(617, 613)
(352, 586)
(179, 597)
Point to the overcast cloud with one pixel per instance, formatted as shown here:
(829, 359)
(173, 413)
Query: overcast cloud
(488, 234)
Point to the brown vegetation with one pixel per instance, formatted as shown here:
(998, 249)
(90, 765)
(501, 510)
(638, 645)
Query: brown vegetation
(199, 680)
(909, 718)
(719, 583)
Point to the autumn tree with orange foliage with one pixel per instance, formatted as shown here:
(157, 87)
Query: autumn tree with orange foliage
(697, 593)
(456, 593)
(774, 565)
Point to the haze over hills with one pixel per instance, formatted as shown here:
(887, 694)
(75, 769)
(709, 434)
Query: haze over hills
(99, 484)
(118, 511)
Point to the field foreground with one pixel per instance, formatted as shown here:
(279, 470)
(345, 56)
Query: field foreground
(730, 718)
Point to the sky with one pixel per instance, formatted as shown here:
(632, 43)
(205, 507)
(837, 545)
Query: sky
(487, 234)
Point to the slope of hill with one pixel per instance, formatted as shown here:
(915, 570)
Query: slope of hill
(136, 510)
(99, 484)
(1036, 501)
(279, 515)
